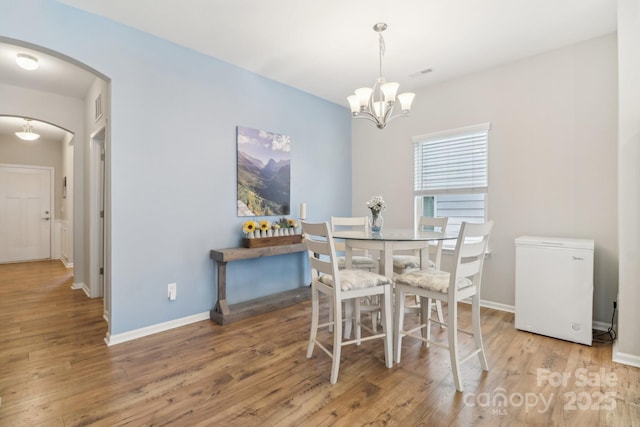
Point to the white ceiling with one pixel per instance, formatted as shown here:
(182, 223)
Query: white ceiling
(54, 75)
(9, 125)
(328, 48)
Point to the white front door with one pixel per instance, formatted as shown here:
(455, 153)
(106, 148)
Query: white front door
(25, 213)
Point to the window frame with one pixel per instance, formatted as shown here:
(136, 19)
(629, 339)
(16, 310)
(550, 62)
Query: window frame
(420, 192)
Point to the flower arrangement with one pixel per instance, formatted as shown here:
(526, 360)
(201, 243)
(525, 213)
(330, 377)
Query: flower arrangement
(376, 204)
(264, 228)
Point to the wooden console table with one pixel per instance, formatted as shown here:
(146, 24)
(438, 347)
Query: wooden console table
(224, 313)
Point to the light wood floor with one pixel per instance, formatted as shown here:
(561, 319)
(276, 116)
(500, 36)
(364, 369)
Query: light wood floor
(55, 370)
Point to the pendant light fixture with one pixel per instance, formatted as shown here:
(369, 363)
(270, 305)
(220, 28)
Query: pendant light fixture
(377, 103)
(27, 133)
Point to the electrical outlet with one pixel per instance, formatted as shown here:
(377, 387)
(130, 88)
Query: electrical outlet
(172, 291)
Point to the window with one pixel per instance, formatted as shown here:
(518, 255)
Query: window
(451, 175)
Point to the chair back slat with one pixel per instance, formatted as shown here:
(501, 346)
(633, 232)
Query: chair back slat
(321, 251)
(349, 222)
(356, 223)
(426, 223)
(320, 266)
(437, 224)
(468, 269)
(472, 248)
(470, 254)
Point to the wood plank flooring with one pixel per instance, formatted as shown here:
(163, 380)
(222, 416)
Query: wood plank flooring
(55, 370)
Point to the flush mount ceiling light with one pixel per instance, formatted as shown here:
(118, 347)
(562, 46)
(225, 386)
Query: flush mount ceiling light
(377, 103)
(27, 62)
(27, 133)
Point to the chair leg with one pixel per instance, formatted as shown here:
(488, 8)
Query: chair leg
(477, 332)
(330, 313)
(356, 320)
(452, 324)
(425, 319)
(315, 314)
(387, 325)
(337, 341)
(348, 319)
(373, 301)
(399, 321)
(439, 312)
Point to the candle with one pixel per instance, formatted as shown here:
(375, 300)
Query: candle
(303, 211)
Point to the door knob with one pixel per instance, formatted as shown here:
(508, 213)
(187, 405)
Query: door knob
(46, 219)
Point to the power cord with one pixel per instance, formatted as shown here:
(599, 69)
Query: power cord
(609, 335)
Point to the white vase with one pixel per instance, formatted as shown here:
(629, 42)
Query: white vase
(250, 235)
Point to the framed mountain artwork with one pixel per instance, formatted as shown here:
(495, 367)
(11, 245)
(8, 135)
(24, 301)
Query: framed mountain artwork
(264, 173)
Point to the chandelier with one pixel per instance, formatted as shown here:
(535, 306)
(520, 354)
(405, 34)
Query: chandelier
(377, 103)
(27, 133)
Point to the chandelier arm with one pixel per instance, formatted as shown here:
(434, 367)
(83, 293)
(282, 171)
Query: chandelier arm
(367, 115)
(388, 115)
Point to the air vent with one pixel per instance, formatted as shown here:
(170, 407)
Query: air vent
(98, 104)
(421, 72)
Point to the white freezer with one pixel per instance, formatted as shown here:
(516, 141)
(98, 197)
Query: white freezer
(554, 287)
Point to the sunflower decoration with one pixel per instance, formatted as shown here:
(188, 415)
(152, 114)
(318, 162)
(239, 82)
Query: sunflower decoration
(292, 223)
(249, 226)
(264, 225)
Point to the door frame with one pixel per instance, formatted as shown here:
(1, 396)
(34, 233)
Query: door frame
(96, 206)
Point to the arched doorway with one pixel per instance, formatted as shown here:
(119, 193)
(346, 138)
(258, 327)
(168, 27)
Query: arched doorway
(74, 97)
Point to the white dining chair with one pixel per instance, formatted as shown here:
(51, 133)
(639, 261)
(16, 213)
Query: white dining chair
(404, 263)
(361, 260)
(340, 286)
(462, 283)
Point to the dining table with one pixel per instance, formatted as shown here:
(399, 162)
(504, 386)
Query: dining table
(389, 241)
(386, 242)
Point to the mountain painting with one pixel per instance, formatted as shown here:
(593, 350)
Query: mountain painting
(264, 173)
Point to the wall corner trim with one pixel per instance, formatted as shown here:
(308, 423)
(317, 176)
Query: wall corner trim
(624, 358)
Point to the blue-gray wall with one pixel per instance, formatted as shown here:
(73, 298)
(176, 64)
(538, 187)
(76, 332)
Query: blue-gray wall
(173, 160)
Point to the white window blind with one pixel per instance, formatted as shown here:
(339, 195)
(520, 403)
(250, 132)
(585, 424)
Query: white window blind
(451, 175)
(452, 162)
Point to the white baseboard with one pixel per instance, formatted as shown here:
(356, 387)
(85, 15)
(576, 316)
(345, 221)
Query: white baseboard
(600, 326)
(154, 329)
(625, 358)
(497, 306)
(82, 286)
(66, 263)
